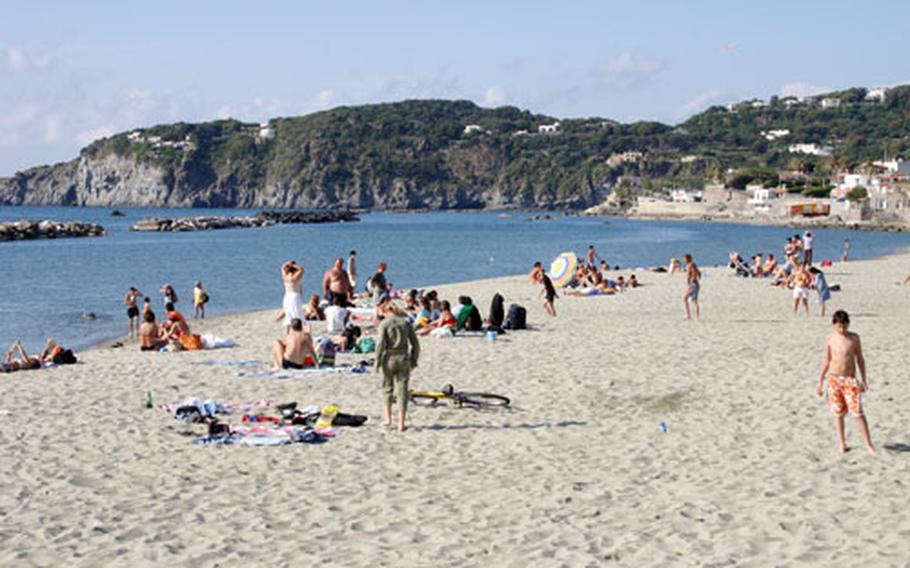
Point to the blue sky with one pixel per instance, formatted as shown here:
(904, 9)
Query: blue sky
(74, 71)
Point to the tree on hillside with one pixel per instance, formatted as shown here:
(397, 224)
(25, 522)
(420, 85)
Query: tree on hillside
(858, 193)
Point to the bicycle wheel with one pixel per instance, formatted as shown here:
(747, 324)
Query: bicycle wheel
(484, 399)
(426, 398)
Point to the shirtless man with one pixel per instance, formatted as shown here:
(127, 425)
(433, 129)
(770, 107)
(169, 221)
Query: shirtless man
(536, 274)
(843, 352)
(150, 335)
(592, 256)
(801, 281)
(693, 285)
(336, 282)
(293, 351)
(132, 310)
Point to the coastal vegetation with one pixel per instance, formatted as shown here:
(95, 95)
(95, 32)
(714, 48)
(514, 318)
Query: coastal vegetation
(455, 154)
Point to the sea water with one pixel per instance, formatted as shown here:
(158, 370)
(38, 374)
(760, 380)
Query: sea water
(46, 285)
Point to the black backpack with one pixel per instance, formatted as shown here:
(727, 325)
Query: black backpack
(517, 318)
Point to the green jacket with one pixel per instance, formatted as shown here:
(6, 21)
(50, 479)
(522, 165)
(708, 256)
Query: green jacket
(395, 334)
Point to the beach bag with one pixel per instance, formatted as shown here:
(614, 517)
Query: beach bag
(65, 357)
(517, 318)
(325, 352)
(191, 341)
(365, 345)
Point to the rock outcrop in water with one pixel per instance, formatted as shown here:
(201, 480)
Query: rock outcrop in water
(261, 219)
(46, 229)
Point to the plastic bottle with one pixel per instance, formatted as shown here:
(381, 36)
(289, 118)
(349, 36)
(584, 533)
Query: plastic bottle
(149, 403)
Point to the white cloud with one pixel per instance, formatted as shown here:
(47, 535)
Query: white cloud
(701, 102)
(14, 126)
(800, 89)
(321, 101)
(17, 59)
(628, 62)
(493, 97)
(51, 130)
(88, 136)
(223, 112)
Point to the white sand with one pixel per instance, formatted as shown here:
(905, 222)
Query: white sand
(577, 474)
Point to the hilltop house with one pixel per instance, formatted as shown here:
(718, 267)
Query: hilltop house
(548, 128)
(897, 166)
(472, 128)
(266, 132)
(632, 156)
(830, 102)
(877, 94)
(771, 135)
(813, 149)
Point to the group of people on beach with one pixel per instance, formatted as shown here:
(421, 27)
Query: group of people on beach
(837, 380)
(175, 330)
(796, 273)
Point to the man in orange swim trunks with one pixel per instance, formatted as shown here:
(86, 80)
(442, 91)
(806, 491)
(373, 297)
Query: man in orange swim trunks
(843, 352)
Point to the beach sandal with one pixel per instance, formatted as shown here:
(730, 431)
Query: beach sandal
(329, 412)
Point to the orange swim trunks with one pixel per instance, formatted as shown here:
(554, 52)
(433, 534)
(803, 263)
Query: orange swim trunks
(843, 394)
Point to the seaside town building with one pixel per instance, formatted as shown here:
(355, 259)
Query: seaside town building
(812, 149)
(472, 128)
(266, 132)
(877, 94)
(772, 135)
(830, 102)
(548, 128)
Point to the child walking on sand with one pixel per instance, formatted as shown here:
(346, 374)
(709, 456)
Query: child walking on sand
(843, 352)
(693, 285)
(549, 294)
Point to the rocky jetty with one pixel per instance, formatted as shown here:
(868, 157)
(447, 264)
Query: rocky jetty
(46, 229)
(261, 219)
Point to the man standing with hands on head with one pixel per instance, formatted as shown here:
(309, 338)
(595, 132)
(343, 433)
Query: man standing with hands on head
(397, 351)
(336, 283)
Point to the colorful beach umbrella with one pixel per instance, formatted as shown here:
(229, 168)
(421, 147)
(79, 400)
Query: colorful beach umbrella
(562, 270)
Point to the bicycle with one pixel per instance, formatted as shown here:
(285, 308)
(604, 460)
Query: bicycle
(457, 398)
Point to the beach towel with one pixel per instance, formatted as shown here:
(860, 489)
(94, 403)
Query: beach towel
(226, 408)
(301, 373)
(209, 341)
(266, 436)
(230, 363)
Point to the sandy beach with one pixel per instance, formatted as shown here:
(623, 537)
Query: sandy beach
(576, 473)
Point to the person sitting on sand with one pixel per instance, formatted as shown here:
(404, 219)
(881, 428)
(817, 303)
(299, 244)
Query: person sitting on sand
(674, 266)
(312, 311)
(769, 266)
(151, 335)
(348, 338)
(296, 351)
(446, 319)
(176, 324)
(633, 282)
(621, 283)
(468, 318)
(336, 316)
(435, 307)
(425, 315)
(757, 263)
(411, 305)
(843, 353)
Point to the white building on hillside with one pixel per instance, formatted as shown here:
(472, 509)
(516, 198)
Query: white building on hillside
(897, 166)
(771, 135)
(632, 156)
(472, 128)
(877, 94)
(830, 102)
(685, 196)
(548, 128)
(266, 132)
(812, 149)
